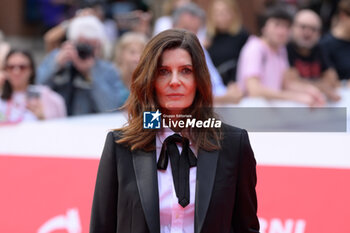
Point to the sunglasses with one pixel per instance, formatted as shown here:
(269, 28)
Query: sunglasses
(21, 67)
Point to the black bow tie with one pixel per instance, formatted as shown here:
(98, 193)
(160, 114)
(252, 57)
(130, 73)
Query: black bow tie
(180, 165)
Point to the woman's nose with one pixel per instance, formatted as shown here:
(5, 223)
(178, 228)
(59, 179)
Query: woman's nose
(175, 81)
(16, 70)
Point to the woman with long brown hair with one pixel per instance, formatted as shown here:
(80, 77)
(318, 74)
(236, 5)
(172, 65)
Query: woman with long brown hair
(185, 178)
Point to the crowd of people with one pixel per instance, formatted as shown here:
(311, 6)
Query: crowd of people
(91, 58)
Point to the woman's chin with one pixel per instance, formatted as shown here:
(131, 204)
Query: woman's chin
(174, 108)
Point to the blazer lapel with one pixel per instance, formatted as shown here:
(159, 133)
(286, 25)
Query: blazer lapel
(206, 170)
(145, 167)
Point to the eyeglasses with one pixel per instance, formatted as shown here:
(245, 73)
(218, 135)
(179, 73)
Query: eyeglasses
(313, 29)
(21, 67)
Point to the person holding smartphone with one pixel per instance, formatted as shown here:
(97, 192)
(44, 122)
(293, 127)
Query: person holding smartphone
(21, 100)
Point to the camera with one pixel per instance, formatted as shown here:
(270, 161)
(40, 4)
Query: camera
(85, 50)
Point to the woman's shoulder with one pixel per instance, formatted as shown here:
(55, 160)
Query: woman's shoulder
(232, 134)
(114, 134)
(226, 128)
(111, 140)
(236, 139)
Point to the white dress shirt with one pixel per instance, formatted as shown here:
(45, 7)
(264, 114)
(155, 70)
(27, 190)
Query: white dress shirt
(173, 217)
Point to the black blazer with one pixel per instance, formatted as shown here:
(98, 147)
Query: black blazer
(126, 193)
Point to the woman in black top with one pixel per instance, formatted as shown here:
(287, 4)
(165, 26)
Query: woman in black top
(336, 44)
(226, 37)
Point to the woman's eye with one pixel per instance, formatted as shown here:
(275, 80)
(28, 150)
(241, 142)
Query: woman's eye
(186, 71)
(163, 72)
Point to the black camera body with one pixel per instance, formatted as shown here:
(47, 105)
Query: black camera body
(85, 50)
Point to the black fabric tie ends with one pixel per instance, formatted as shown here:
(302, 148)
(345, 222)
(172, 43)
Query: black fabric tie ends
(180, 165)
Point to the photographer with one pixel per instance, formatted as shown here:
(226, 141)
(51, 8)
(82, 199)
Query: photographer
(87, 83)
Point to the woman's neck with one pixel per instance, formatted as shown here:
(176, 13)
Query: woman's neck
(341, 32)
(20, 89)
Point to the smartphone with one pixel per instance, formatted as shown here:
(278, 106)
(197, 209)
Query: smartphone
(33, 92)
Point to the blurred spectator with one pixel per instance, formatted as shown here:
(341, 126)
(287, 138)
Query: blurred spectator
(336, 44)
(57, 35)
(76, 70)
(305, 56)
(48, 12)
(110, 25)
(2, 79)
(226, 37)
(166, 21)
(127, 54)
(326, 9)
(132, 16)
(263, 64)
(137, 21)
(20, 99)
(4, 49)
(192, 18)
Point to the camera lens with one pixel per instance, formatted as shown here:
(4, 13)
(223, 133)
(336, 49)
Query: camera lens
(84, 50)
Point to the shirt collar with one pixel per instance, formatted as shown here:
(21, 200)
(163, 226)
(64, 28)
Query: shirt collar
(166, 132)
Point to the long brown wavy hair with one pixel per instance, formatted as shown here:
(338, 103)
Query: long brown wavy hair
(143, 96)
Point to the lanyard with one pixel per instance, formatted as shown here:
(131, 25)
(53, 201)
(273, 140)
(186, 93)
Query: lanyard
(9, 111)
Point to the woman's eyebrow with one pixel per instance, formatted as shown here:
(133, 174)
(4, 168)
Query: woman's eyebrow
(166, 66)
(187, 65)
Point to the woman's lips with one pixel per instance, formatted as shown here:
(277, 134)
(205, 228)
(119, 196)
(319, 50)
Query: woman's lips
(175, 95)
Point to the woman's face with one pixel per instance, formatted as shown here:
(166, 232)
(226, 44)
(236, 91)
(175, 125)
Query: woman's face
(222, 16)
(175, 83)
(131, 56)
(18, 71)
